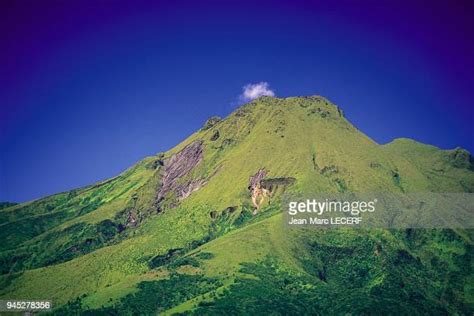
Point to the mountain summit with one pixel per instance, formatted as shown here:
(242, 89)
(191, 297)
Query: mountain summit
(198, 229)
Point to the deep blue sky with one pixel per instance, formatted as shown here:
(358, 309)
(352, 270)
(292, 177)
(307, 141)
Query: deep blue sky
(87, 88)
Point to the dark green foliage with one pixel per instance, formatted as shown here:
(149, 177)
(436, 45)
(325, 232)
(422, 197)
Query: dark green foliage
(375, 165)
(156, 163)
(223, 223)
(13, 260)
(271, 292)
(32, 219)
(205, 255)
(73, 307)
(329, 170)
(215, 136)
(184, 261)
(313, 160)
(173, 257)
(350, 289)
(160, 260)
(7, 279)
(319, 112)
(211, 122)
(15, 233)
(234, 217)
(272, 183)
(36, 208)
(341, 185)
(385, 280)
(244, 216)
(151, 298)
(59, 246)
(6, 204)
(396, 179)
(226, 143)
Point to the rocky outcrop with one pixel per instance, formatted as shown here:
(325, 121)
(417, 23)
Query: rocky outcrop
(179, 166)
(215, 136)
(258, 192)
(227, 211)
(256, 178)
(261, 188)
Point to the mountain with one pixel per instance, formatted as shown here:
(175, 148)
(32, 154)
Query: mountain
(6, 204)
(178, 231)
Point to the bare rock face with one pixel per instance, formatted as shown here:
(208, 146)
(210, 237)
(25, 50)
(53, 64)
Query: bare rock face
(186, 189)
(177, 167)
(262, 188)
(256, 178)
(258, 193)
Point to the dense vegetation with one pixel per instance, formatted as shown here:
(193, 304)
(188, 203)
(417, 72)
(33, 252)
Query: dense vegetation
(176, 233)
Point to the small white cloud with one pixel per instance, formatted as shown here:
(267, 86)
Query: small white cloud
(255, 90)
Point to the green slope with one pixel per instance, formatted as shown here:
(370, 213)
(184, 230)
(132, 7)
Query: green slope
(179, 225)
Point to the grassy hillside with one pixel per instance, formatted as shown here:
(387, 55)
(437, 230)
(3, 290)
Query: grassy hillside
(176, 234)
